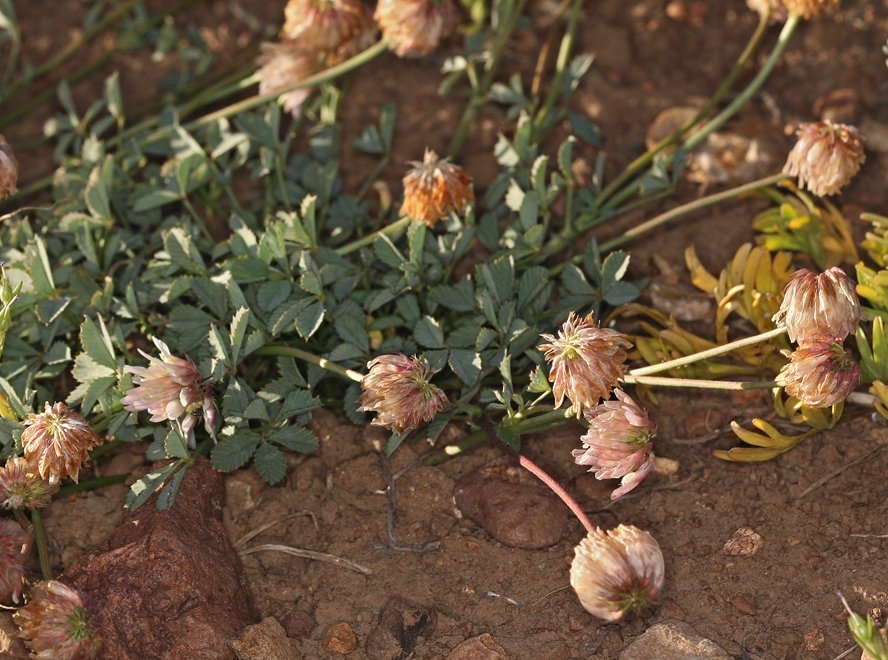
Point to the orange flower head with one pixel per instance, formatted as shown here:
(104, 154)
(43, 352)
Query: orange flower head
(820, 373)
(57, 441)
(434, 188)
(826, 156)
(811, 8)
(619, 443)
(326, 25)
(15, 543)
(617, 571)
(22, 488)
(585, 361)
(819, 305)
(398, 389)
(415, 27)
(56, 624)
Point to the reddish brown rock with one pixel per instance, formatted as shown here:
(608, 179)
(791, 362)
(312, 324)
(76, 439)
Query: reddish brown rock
(512, 505)
(168, 584)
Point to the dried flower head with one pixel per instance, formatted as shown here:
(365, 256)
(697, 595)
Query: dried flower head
(326, 25)
(398, 390)
(8, 169)
(825, 157)
(434, 188)
(619, 443)
(57, 441)
(586, 361)
(15, 542)
(56, 624)
(820, 372)
(22, 488)
(169, 388)
(824, 304)
(282, 65)
(811, 8)
(775, 9)
(415, 27)
(617, 571)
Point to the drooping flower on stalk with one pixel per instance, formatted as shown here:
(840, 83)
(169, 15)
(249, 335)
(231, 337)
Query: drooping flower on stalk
(8, 169)
(586, 361)
(169, 388)
(434, 188)
(820, 373)
(398, 389)
(57, 624)
(811, 8)
(22, 488)
(774, 9)
(57, 442)
(819, 305)
(282, 65)
(826, 156)
(327, 25)
(617, 572)
(619, 443)
(15, 542)
(415, 27)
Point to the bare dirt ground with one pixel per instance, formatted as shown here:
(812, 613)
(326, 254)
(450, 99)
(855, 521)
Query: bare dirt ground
(821, 508)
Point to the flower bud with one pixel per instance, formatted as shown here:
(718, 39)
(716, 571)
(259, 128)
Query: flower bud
(415, 27)
(326, 25)
(57, 441)
(398, 390)
(826, 156)
(617, 571)
(819, 305)
(434, 188)
(585, 361)
(22, 488)
(56, 624)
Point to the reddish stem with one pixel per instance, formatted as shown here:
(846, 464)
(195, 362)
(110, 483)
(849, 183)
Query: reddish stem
(559, 490)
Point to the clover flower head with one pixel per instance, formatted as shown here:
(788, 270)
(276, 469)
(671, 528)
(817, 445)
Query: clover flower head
(811, 8)
(398, 389)
(57, 442)
(15, 542)
(326, 25)
(619, 443)
(8, 169)
(816, 305)
(57, 624)
(282, 65)
(435, 187)
(168, 388)
(826, 156)
(21, 487)
(617, 571)
(776, 9)
(415, 27)
(586, 361)
(820, 372)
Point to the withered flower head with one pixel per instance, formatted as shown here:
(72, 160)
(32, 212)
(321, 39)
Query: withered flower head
(585, 361)
(619, 443)
(415, 27)
(56, 624)
(326, 25)
(434, 188)
(617, 571)
(168, 388)
(8, 169)
(811, 8)
(22, 488)
(57, 441)
(820, 372)
(826, 156)
(824, 304)
(776, 9)
(398, 390)
(283, 65)
(15, 543)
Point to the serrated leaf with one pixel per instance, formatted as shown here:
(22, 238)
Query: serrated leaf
(459, 297)
(96, 342)
(233, 451)
(174, 445)
(620, 293)
(387, 253)
(466, 364)
(155, 199)
(142, 490)
(308, 320)
(428, 333)
(237, 330)
(295, 438)
(298, 402)
(167, 496)
(273, 293)
(349, 322)
(271, 463)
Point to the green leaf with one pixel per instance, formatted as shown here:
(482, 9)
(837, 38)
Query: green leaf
(349, 322)
(96, 342)
(271, 463)
(309, 319)
(174, 445)
(295, 438)
(144, 488)
(167, 496)
(273, 293)
(387, 253)
(298, 402)
(466, 364)
(428, 333)
(237, 330)
(155, 199)
(459, 297)
(235, 448)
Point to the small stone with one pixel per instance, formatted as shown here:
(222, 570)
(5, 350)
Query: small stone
(340, 639)
(266, 640)
(401, 623)
(745, 604)
(482, 647)
(673, 640)
(814, 640)
(666, 467)
(745, 542)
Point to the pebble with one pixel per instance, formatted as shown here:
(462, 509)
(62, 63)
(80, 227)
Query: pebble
(340, 639)
(266, 640)
(745, 542)
(482, 647)
(673, 640)
(745, 604)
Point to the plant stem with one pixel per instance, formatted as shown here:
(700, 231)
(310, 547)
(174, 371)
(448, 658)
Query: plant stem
(712, 352)
(92, 484)
(311, 358)
(559, 490)
(40, 542)
(699, 383)
(394, 228)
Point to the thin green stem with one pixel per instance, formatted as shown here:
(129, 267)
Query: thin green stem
(40, 542)
(562, 61)
(393, 229)
(92, 484)
(690, 207)
(709, 353)
(311, 358)
(699, 383)
(559, 490)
